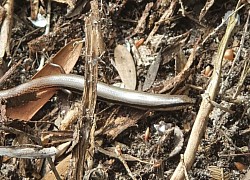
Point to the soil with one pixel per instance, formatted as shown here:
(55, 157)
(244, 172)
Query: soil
(223, 152)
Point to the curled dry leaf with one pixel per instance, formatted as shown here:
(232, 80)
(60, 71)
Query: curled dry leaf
(179, 140)
(66, 58)
(125, 66)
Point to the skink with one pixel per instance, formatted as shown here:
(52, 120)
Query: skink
(142, 100)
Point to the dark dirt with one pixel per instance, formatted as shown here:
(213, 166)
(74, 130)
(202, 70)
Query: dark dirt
(226, 140)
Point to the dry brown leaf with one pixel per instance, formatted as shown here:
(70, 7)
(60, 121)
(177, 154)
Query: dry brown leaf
(66, 58)
(125, 66)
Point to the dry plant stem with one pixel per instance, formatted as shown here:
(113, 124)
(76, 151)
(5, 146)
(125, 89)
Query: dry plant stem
(5, 32)
(84, 121)
(205, 107)
(94, 48)
(184, 167)
(232, 155)
(34, 6)
(163, 18)
(2, 142)
(119, 156)
(215, 104)
(29, 152)
(90, 157)
(19, 132)
(218, 27)
(53, 168)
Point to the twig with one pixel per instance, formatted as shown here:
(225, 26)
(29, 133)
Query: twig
(184, 167)
(215, 104)
(232, 155)
(119, 156)
(53, 168)
(182, 8)
(205, 107)
(94, 48)
(221, 24)
(27, 151)
(230, 140)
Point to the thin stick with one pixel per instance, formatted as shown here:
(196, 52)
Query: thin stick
(53, 168)
(119, 155)
(205, 107)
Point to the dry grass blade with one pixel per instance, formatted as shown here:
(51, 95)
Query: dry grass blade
(205, 107)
